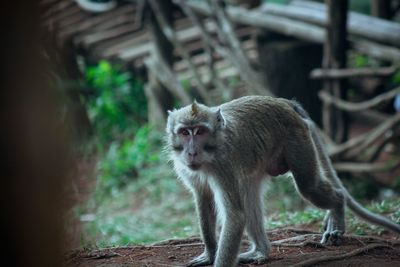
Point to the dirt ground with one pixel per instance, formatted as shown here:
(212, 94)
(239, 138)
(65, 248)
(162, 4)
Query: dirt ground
(291, 247)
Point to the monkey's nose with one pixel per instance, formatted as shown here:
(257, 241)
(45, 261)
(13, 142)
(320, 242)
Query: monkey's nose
(192, 154)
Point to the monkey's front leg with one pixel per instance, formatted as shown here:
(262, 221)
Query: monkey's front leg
(207, 218)
(233, 222)
(229, 242)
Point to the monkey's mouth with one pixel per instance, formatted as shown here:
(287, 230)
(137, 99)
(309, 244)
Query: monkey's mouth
(194, 166)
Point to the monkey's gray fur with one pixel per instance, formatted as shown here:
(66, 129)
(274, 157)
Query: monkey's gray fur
(222, 155)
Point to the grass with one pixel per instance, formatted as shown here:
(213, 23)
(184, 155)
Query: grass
(389, 208)
(156, 206)
(152, 208)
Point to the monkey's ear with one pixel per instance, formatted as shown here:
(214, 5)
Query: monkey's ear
(220, 119)
(170, 121)
(169, 126)
(171, 111)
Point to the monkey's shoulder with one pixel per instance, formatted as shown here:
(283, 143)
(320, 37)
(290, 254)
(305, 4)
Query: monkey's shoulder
(256, 101)
(254, 106)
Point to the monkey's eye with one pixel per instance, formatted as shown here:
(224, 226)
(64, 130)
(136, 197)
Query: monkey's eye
(184, 132)
(177, 148)
(201, 131)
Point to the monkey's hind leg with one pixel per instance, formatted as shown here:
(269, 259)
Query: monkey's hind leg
(322, 194)
(334, 227)
(313, 184)
(260, 247)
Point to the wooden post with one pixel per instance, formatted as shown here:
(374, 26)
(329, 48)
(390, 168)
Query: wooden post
(381, 8)
(159, 98)
(287, 62)
(335, 47)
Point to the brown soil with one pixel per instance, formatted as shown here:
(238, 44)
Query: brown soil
(366, 251)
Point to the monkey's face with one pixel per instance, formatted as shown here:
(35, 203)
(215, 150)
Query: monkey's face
(193, 132)
(192, 146)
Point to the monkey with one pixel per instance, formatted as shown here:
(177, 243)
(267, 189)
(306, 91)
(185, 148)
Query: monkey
(223, 153)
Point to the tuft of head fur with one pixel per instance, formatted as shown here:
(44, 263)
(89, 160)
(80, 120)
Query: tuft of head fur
(194, 109)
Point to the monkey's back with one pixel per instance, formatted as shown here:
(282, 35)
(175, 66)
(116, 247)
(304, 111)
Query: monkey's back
(259, 126)
(261, 114)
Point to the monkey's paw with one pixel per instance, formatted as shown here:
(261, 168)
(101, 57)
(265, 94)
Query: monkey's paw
(334, 230)
(333, 238)
(253, 256)
(203, 259)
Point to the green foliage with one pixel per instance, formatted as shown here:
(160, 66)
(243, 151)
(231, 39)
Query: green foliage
(361, 6)
(122, 160)
(285, 218)
(233, 81)
(186, 84)
(357, 60)
(396, 78)
(389, 208)
(118, 106)
(282, 195)
(118, 111)
(396, 183)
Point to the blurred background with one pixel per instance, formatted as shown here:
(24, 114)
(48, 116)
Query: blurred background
(88, 84)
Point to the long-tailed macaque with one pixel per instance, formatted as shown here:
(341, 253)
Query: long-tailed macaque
(222, 155)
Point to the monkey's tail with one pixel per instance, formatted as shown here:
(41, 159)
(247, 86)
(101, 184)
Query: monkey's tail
(368, 216)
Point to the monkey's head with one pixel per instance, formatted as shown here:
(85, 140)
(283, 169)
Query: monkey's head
(193, 133)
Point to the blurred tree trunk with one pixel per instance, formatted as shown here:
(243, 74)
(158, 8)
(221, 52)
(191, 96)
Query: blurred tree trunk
(287, 63)
(33, 142)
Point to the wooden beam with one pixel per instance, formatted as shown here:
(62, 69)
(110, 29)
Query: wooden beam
(171, 35)
(354, 107)
(295, 28)
(356, 167)
(352, 73)
(91, 22)
(359, 25)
